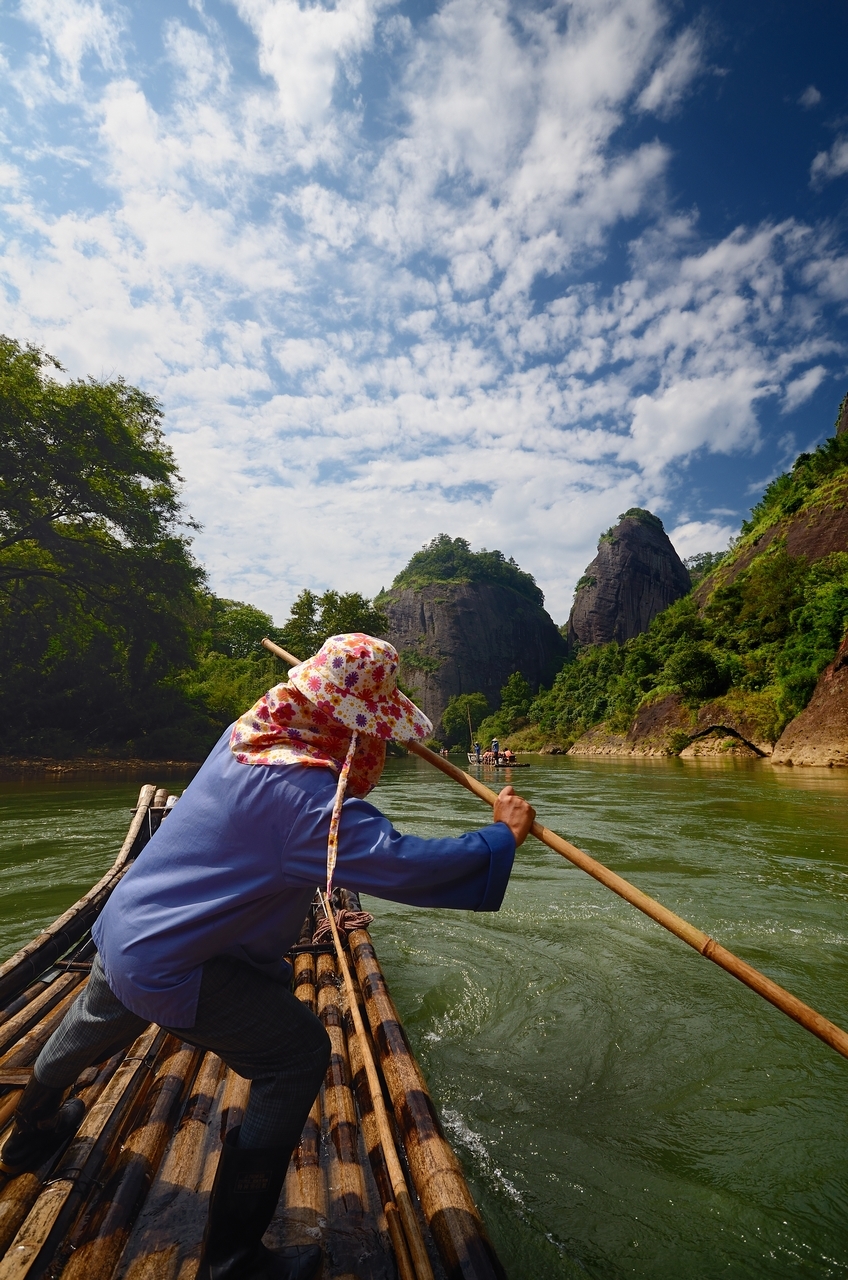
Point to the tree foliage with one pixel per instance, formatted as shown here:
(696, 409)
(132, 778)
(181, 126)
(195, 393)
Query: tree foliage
(769, 633)
(792, 490)
(99, 594)
(456, 715)
(702, 564)
(447, 559)
(314, 618)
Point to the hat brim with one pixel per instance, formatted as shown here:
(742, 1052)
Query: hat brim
(390, 716)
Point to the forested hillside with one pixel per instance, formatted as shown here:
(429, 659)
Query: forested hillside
(110, 640)
(751, 639)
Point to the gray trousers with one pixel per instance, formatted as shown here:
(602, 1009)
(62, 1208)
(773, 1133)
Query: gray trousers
(254, 1024)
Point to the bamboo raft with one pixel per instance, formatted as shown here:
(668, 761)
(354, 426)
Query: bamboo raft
(127, 1197)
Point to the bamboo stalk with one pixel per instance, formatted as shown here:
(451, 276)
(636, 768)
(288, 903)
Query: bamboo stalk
(701, 942)
(415, 1243)
(347, 1198)
(305, 1190)
(451, 1213)
(97, 1248)
(784, 1000)
(169, 1229)
(38, 1008)
(21, 1001)
(371, 1136)
(19, 1194)
(57, 1207)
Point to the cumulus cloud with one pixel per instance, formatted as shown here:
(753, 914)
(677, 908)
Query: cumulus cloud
(830, 164)
(675, 74)
(695, 536)
(810, 97)
(374, 308)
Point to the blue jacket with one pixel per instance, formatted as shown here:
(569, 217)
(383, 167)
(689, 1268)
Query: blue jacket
(232, 870)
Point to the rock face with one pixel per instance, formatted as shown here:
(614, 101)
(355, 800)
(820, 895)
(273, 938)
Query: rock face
(735, 725)
(819, 735)
(635, 575)
(469, 638)
(814, 533)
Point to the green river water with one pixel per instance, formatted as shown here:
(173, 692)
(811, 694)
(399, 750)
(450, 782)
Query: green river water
(621, 1106)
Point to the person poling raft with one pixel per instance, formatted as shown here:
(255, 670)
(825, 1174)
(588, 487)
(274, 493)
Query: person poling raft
(192, 937)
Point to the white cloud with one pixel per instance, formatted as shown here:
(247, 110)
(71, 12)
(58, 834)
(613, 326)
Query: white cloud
(830, 164)
(675, 74)
(696, 536)
(73, 29)
(810, 97)
(340, 298)
(800, 389)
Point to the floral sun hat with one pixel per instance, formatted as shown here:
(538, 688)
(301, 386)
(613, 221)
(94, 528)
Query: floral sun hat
(353, 679)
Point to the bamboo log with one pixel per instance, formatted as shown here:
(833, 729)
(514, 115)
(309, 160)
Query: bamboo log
(371, 1137)
(451, 1214)
(25, 1052)
(97, 1248)
(21, 1001)
(701, 942)
(347, 1196)
(38, 1008)
(26, 964)
(56, 1209)
(169, 1229)
(406, 1212)
(305, 1191)
(19, 1194)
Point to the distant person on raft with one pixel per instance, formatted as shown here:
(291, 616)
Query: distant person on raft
(193, 937)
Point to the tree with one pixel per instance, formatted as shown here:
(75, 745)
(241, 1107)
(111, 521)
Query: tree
(447, 559)
(238, 629)
(98, 589)
(313, 618)
(703, 563)
(456, 714)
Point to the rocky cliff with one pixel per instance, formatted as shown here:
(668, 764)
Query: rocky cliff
(635, 575)
(469, 637)
(819, 735)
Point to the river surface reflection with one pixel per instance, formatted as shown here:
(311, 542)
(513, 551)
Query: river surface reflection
(621, 1106)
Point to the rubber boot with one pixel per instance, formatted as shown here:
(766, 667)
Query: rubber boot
(42, 1124)
(244, 1196)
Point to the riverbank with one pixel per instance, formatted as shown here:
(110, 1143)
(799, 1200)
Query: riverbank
(101, 766)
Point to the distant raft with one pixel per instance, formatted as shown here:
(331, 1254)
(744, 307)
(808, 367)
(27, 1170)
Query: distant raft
(500, 764)
(126, 1199)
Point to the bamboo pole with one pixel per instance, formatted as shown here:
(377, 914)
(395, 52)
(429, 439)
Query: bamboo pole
(347, 1196)
(411, 1229)
(448, 1207)
(305, 1190)
(21, 1192)
(56, 1209)
(784, 1000)
(97, 1243)
(371, 1136)
(169, 1228)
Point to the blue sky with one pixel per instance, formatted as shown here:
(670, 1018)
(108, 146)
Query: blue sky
(495, 269)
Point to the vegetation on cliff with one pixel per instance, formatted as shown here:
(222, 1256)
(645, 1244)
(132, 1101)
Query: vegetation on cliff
(447, 559)
(758, 636)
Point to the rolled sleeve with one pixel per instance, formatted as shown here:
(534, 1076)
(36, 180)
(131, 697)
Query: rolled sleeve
(501, 842)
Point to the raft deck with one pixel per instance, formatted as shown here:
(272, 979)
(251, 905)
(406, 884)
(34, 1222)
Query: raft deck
(127, 1198)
